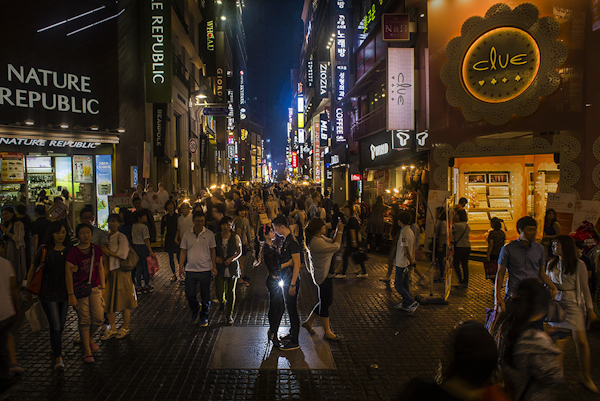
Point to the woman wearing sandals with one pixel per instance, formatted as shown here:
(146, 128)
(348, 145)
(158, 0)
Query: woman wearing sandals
(85, 283)
(120, 293)
(320, 253)
(53, 292)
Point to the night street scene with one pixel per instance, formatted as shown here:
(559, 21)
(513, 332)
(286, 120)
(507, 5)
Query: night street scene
(300, 200)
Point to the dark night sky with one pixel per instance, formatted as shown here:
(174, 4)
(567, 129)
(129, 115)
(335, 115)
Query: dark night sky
(274, 38)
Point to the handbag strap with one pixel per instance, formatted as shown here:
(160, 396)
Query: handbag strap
(42, 259)
(92, 264)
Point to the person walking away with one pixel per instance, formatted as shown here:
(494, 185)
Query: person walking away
(320, 254)
(241, 226)
(228, 251)
(290, 275)
(141, 245)
(14, 243)
(441, 237)
(529, 359)
(168, 230)
(375, 224)
(495, 241)
(551, 230)
(569, 274)
(405, 260)
(85, 284)
(9, 297)
(522, 258)
(120, 294)
(352, 239)
(462, 247)
(52, 256)
(40, 227)
(198, 249)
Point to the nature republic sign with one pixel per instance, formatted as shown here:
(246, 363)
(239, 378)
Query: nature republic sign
(503, 63)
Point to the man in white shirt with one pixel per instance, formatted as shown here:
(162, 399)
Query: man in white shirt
(151, 193)
(405, 260)
(198, 248)
(163, 196)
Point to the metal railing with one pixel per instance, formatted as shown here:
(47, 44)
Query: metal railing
(370, 123)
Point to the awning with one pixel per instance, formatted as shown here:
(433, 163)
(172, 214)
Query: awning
(83, 136)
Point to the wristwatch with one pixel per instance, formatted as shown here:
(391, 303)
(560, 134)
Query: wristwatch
(292, 285)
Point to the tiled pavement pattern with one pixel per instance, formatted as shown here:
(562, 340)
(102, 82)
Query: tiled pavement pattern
(167, 358)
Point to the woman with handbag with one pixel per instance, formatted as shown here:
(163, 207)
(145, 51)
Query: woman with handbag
(49, 266)
(320, 254)
(569, 274)
(140, 236)
(352, 240)
(119, 295)
(85, 284)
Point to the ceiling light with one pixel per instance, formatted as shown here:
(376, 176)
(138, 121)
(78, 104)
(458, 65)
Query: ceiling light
(422, 15)
(64, 125)
(29, 122)
(201, 96)
(223, 18)
(219, 2)
(94, 128)
(120, 130)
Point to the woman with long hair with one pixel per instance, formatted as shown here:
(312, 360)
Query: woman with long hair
(168, 229)
(14, 238)
(267, 253)
(53, 292)
(320, 250)
(120, 293)
(529, 358)
(569, 274)
(228, 251)
(84, 276)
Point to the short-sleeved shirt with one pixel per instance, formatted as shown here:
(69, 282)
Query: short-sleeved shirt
(54, 287)
(406, 246)
(83, 262)
(290, 246)
(40, 228)
(139, 234)
(497, 237)
(7, 308)
(352, 225)
(521, 263)
(198, 250)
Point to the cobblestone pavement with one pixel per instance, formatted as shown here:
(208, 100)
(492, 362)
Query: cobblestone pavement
(166, 357)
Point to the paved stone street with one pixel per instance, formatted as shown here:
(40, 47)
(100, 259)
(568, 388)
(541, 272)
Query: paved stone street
(168, 358)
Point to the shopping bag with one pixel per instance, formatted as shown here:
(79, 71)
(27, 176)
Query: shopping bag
(36, 317)
(491, 268)
(152, 265)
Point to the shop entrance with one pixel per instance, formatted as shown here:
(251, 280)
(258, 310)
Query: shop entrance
(507, 187)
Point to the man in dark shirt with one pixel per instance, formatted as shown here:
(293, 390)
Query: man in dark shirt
(39, 227)
(137, 204)
(290, 269)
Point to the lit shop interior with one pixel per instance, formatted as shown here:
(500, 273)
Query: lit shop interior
(507, 187)
(34, 178)
(396, 183)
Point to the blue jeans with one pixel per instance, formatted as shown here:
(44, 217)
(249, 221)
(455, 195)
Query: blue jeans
(56, 312)
(192, 279)
(402, 285)
(142, 266)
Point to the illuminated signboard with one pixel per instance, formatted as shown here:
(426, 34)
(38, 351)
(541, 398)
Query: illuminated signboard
(158, 58)
(300, 135)
(324, 123)
(300, 105)
(395, 27)
(341, 79)
(323, 79)
(339, 125)
(374, 11)
(495, 71)
(310, 72)
(230, 111)
(317, 156)
(300, 120)
(400, 89)
(294, 159)
(341, 40)
(355, 177)
(401, 140)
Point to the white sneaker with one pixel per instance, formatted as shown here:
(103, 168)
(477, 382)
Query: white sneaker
(402, 308)
(413, 307)
(339, 275)
(361, 275)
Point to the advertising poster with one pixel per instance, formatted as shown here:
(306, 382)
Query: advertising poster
(64, 173)
(434, 200)
(103, 188)
(13, 171)
(564, 206)
(119, 200)
(82, 169)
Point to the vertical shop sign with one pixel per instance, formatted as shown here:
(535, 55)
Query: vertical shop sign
(341, 78)
(323, 79)
(157, 50)
(294, 159)
(135, 180)
(159, 128)
(221, 69)
(310, 72)
(324, 120)
(82, 169)
(400, 89)
(395, 27)
(339, 125)
(203, 149)
(341, 29)
(206, 36)
(317, 167)
(103, 188)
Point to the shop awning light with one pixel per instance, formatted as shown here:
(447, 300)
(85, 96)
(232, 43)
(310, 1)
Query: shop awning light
(422, 15)
(64, 125)
(29, 122)
(94, 128)
(333, 35)
(396, 190)
(403, 167)
(412, 166)
(120, 130)
(219, 2)
(192, 165)
(176, 162)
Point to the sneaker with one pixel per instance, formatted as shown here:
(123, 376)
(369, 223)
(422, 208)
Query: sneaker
(413, 307)
(16, 369)
(339, 275)
(289, 346)
(385, 280)
(122, 333)
(402, 308)
(362, 275)
(109, 334)
(274, 339)
(174, 278)
(204, 323)
(286, 339)
(60, 365)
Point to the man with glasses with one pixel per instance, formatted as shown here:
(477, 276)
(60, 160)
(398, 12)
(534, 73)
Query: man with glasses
(523, 258)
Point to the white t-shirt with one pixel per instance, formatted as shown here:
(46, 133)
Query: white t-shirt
(119, 244)
(7, 308)
(406, 245)
(163, 197)
(184, 224)
(198, 250)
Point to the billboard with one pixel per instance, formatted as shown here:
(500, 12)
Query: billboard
(400, 89)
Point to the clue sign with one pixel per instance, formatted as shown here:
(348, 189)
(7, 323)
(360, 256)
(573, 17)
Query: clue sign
(400, 88)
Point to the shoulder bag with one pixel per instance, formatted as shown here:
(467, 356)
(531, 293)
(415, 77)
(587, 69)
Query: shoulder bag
(35, 287)
(129, 263)
(84, 289)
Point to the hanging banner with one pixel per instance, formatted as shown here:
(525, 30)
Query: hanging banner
(221, 67)
(206, 36)
(395, 27)
(159, 126)
(203, 149)
(323, 80)
(585, 210)
(341, 33)
(82, 169)
(400, 89)
(158, 56)
(103, 188)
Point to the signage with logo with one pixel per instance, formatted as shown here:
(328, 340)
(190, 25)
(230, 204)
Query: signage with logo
(82, 169)
(231, 151)
(193, 145)
(317, 156)
(341, 80)
(206, 36)
(103, 187)
(57, 66)
(157, 50)
(134, 176)
(294, 159)
(215, 111)
(159, 128)
(242, 88)
(203, 147)
(340, 118)
(379, 150)
(324, 124)
(355, 177)
(497, 70)
(402, 140)
(323, 79)
(400, 89)
(301, 138)
(335, 159)
(221, 70)
(395, 27)
(47, 142)
(341, 34)
(374, 10)
(310, 72)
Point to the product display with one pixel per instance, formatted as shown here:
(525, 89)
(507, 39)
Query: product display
(489, 195)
